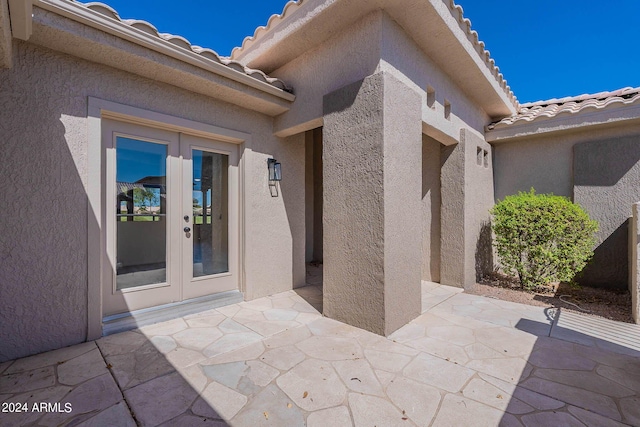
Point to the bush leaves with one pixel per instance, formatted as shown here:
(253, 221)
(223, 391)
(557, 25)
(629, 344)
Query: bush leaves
(542, 238)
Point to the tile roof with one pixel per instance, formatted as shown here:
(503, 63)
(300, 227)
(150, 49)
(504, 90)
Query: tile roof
(275, 19)
(552, 108)
(185, 44)
(455, 9)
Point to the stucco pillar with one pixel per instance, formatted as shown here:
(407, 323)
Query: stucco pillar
(634, 262)
(467, 196)
(372, 142)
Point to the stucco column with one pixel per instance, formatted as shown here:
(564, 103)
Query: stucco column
(634, 262)
(467, 195)
(372, 142)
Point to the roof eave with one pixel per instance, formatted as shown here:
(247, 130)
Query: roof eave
(91, 18)
(288, 34)
(616, 115)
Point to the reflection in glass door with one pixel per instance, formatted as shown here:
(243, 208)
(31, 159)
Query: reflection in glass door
(171, 217)
(210, 213)
(141, 208)
(210, 203)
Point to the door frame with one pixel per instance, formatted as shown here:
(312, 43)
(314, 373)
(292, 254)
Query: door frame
(98, 262)
(188, 143)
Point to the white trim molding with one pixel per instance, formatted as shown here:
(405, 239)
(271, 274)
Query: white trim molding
(21, 13)
(99, 109)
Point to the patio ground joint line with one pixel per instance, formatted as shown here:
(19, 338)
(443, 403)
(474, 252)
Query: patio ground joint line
(124, 399)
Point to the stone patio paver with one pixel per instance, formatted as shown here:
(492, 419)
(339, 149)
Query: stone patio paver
(460, 411)
(338, 416)
(418, 401)
(434, 294)
(313, 385)
(467, 360)
(374, 411)
(116, 415)
(75, 382)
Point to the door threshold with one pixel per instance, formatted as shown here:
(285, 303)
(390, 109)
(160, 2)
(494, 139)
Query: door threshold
(147, 316)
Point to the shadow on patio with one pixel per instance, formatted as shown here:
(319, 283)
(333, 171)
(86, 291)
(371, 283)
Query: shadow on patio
(467, 360)
(528, 366)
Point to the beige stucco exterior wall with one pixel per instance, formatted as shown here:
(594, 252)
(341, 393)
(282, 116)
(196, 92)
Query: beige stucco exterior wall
(479, 195)
(313, 195)
(349, 56)
(44, 173)
(274, 226)
(374, 43)
(377, 44)
(372, 204)
(431, 201)
(544, 161)
(466, 195)
(603, 182)
(634, 262)
(308, 191)
(401, 56)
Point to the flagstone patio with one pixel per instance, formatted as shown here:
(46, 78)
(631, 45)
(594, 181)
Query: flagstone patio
(467, 360)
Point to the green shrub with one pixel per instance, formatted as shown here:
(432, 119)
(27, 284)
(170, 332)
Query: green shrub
(542, 238)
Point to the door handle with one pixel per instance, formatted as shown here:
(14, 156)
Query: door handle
(187, 229)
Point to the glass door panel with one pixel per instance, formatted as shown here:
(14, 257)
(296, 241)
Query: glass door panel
(210, 204)
(210, 213)
(171, 209)
(141, 206)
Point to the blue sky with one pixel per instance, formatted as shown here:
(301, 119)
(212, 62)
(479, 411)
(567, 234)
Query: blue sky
(545, 48)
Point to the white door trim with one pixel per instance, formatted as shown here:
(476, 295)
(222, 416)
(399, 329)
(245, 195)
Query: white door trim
(187, 144)
(96, 185)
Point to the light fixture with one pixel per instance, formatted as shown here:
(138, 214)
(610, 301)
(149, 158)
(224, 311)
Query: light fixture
(275, 171)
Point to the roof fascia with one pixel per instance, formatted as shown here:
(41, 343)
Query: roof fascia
(275, 44)
(98, 21)
(619, 116)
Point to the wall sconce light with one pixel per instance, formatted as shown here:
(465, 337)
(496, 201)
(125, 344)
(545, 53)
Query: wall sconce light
(275, 170)
(275, 176)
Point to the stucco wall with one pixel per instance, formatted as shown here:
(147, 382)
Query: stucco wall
(372, 196)
(430, 209)
(346, 57)
(634, 262)
(308, 195)
(43, 243)
(606, 184)
(467, 195)
(402, 203)
(353, 210)
(374, 43)
(452, 244)
(402, 56)
(594, 167)
(313, 195)
(274, 226)
(479, 195)
(544, 162)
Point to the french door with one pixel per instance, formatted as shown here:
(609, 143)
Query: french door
(171, 217)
